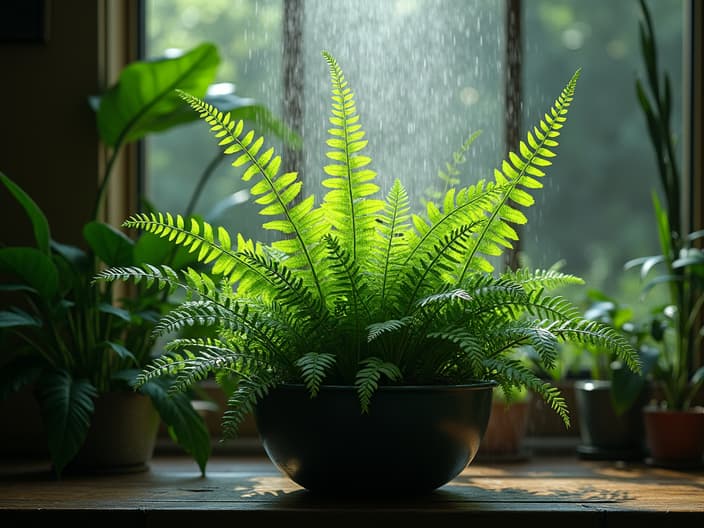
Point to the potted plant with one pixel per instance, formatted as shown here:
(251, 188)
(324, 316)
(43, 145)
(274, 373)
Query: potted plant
(505, 433)
(674, 423)
(368, 339)
(79, 346)
(611, 399)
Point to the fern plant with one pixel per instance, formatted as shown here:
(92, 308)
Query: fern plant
(358, 289)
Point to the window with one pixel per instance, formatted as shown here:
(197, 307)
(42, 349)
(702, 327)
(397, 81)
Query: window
(597, 212)
(426, 74)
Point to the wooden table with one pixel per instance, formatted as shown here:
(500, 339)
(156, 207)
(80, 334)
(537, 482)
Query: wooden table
(239, 491)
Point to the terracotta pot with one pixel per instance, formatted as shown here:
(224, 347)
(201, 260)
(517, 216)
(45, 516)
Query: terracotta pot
(675, 438)
(121, 436)
(506, 430)
(546, 423)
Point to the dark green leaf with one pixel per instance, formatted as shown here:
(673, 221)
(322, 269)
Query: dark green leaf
(144, 99)
(17, 317)
(66, 408)
(109, 244)
(186, 426)
(18, 287)
(76, 257)
(121, 351)
(626, 386)
(114, 310)
(40, 225)
(151, 249)
(33, 266)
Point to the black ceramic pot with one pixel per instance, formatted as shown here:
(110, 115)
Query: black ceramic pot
(414, 439)
(606, 435)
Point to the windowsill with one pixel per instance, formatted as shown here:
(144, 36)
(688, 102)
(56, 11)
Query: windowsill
(248, 488)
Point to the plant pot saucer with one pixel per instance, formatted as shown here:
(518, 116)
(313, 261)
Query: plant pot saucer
(675, 464)
(590, 452)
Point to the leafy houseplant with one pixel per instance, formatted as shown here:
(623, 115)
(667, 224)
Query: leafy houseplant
(363, 297)
(678, 325)
(75, 346)
(610, 401)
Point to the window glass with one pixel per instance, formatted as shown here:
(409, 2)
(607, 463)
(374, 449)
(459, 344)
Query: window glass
(248, 36)
(426, 74)
(596, 209)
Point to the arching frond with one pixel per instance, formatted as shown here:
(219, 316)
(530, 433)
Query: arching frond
(375, 330)
(249, 391)
(314, 367)
(518, 176)
(299, 220)
(347, 205)
(542, 279)
(393, 227)
(368, 376)
(515, 374)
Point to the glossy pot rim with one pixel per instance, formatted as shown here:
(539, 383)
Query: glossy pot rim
(592, 384)
(654, 409)
(477, 385)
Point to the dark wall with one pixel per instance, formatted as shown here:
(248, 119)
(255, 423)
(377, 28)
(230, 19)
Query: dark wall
(48, 139)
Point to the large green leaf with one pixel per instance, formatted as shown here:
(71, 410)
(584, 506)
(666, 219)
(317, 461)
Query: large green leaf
(109, 244)
(16, 317)
(626, 385)
(33, 266)
(66, 407)
(144, 100)
(151, 249)
(186, 426)
(40, 225)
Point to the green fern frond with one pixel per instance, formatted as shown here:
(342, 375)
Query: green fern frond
(508, 337)
(433, 267)
(213, 245)
(213, 355)
(249, 391)
(347, 281)
(193, 283)
(473, 351)
(450, 172)
(287, 287)
(393, 226)
(314, 367)
(487, 302)
(187, 367)
(375, 330)
(597, 334)
(542, 279)
(518, 176)
(278, 194)
(445, 297)
(346, 205)
(201, 313)
(368, 376)
(513, 373)
(470, 204)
